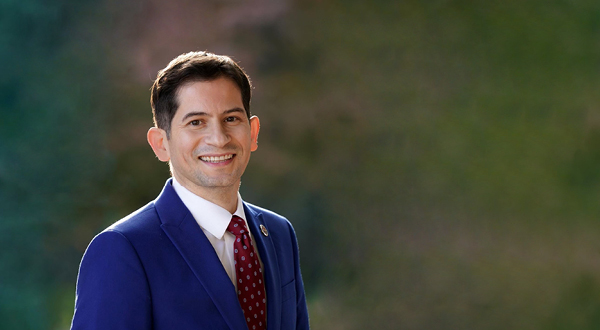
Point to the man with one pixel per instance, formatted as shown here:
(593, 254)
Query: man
(197, 257)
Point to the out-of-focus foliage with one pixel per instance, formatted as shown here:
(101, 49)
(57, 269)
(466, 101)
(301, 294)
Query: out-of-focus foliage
(439, 159)
(51, 155)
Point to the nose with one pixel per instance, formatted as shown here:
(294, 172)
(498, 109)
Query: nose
(217, 135)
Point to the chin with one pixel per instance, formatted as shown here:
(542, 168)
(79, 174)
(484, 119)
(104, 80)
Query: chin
(217, 182)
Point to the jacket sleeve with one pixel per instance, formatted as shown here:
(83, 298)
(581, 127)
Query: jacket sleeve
(112, 288)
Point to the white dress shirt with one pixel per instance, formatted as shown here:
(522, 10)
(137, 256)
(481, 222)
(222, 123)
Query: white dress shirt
(214, 221)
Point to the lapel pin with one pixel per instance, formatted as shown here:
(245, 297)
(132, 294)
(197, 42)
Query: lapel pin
(264, 231)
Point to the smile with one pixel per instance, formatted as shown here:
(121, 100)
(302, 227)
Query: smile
(219, 159)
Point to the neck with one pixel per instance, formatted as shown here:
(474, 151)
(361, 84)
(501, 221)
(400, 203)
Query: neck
(225, 197)
(226, 200)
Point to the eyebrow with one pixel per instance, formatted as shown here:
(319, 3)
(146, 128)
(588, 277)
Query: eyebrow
(201, 113)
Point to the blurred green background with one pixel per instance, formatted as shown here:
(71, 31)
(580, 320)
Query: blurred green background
(440, 160)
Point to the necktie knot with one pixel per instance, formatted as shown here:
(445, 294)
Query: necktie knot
(237, 226)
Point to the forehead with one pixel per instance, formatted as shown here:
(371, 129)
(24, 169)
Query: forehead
(208, 96)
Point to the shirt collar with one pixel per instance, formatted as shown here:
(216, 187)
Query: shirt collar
(211, 217)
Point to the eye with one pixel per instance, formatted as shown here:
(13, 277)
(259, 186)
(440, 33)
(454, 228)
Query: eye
(231, 119)
(195, 122)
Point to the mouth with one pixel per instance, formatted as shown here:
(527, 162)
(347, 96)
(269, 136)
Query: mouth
(216, 159)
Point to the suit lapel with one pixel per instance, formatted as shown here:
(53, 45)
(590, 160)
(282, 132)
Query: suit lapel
(189, 239)
(268, 256)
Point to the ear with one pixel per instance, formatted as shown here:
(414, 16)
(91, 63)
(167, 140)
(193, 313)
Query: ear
(157, 138)
(254, 128)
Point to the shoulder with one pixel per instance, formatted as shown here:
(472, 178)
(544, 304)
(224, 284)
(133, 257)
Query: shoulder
(139, 220)
(257, 210)
(138, 231)
(273, 221)
(270, 217)
(138, 226)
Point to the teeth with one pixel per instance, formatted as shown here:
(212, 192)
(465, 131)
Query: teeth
(216, 159)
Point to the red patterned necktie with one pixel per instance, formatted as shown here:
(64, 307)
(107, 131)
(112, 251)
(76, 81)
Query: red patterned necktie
(249, 276)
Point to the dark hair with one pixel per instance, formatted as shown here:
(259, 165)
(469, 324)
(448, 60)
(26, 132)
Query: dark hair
(189, 67)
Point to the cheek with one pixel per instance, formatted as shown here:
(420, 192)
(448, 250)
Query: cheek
(243, 137)
(188, 141)
(182, 147)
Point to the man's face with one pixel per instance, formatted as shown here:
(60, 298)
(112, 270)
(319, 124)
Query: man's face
(211, 137)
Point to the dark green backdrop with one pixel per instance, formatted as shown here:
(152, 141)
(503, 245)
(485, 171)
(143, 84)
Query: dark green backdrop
(439, 159)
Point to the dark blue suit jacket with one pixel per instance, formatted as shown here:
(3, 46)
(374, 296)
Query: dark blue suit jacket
(155, 269)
